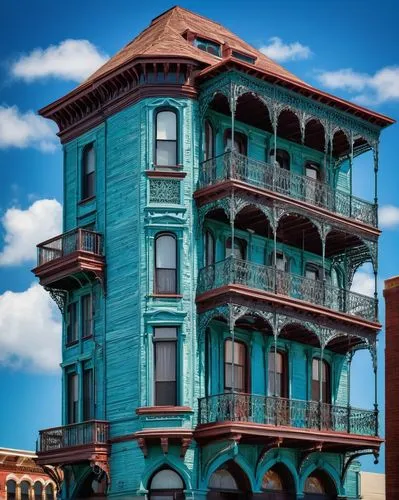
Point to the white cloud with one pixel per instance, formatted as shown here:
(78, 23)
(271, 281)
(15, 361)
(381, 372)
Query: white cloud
(363, 283)
(70, 60)
(280, 51)
(22, 130)
(381, 87)
(24, 229)
(30, 330)
(388, 216)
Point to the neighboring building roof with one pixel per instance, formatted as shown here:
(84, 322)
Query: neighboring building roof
(164, 37)
(17, 453)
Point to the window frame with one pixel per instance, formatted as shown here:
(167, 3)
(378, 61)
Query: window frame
(313, 165)
(176, 141)
(246, 369)
(84, 195)
(166, 340)
(284, 379)
(88, 404)
(327, 398)
(242, 245)
(69, 340)
(239, 137)
(209, 140)
(275, 155)
(84, 320)
(207, 236)
(11, 495)
(156, 279)
(72, 405)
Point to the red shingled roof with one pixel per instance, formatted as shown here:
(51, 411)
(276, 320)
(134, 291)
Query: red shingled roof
(164, 37)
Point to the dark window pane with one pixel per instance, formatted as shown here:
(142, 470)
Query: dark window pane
(87, 316)
(11, 489)
(73, 397)
(240, 366)
(165, 365)
(209, 249)
(72, 328)
(209, 141)
(88, 171)
(88, 399)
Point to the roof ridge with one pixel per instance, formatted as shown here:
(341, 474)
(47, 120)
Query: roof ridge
(178, 8)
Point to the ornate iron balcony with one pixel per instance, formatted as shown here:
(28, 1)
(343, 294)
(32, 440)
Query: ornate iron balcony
(270, 410)
(68, 243)
(241, 272)
(93, 432)
(234, 166)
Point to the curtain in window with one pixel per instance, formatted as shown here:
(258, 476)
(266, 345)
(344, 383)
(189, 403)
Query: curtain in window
(279, 376)
(165, 264)
(240, 369)
(165, 365)
(324, 380)
(209, 141)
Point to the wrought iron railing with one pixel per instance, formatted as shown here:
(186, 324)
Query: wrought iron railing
(235, 166)
(270, 410)
(242, 272)
(84, 433)
(67, 243)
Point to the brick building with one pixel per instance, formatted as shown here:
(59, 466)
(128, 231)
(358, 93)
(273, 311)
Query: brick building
(391, 294)
(21, 478)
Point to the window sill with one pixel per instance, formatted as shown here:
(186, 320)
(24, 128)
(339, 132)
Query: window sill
(168, 168)
(71, 344)
(172, 410)
(166, 296)
(86, 200)
(87, 337)
(166, 174)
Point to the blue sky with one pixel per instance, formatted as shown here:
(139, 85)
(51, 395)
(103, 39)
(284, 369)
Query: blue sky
(349, 48)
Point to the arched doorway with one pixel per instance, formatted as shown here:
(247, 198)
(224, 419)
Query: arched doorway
(166, 484)
(319, 486)
(229, 482)
(278, 484)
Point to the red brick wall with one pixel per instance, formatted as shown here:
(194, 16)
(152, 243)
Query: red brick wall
(391, 294)
(4, 473)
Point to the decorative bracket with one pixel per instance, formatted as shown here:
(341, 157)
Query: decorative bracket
(185, 444)
(351, 456)
(56, 474)
(143, 446)
(59, 297)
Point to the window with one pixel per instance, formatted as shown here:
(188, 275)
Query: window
(243, 57)
(322, 378)
(272, 481)
(49, 492)
(24, 487)
(88, 171)
(209, 141)
(165, 359)
(313, 174)
(240, 142)
(239, 248)
(282, 158)
(281, 261)
(208, 46)
(166, 138)
(313, 171)
(166, 484)
(72, 328)
(38, 490)
(87, 316)
(238, 366)
(209, 248)
(277, 375)
(88, 396)
(73, 398)
(11, 489)
(312, 272)
(166, 264)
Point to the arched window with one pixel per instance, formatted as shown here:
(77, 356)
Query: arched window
(272, 481)
(49, 491)
(209, 248)
(319, 485)
(166, 264)
(11, 489)
(238, 366)
(278, 380)
(239, 248)
(282, 158)
(166, 484)
(279, 479)
(88, 171)
(321, 381)
(222, 479)
(240, 142)
(166, 138)
(209, 141)
(38, 490)
(229, 481)
(24, 487)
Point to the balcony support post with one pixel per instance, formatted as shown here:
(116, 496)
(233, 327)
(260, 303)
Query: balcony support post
(375, 157)
(349, 357)
(375, 391)
(321, 386)
(323, 263)
(351, 175)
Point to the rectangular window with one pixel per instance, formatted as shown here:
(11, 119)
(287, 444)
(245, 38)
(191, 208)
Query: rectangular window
(238, 364)
(166, 139)
(87, 316)
(73, 398)
(165, 359)
(72, 328)
(88, 394)
(88, 172)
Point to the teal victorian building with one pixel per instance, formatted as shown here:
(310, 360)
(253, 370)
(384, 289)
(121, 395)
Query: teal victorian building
(210, 241)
